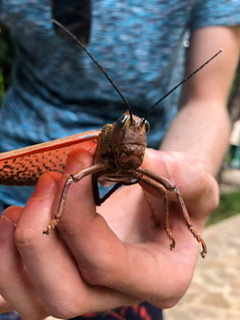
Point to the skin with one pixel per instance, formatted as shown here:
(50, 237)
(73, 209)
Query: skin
(115, 256)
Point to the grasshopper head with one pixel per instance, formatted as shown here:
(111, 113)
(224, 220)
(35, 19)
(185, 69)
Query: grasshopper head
(129, 141)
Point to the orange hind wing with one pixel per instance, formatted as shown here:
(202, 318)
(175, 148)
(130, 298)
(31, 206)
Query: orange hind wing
(25, 166)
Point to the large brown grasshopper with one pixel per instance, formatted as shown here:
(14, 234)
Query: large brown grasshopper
(118, 155)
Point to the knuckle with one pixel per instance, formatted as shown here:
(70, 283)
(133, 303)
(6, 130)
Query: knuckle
(68, 308)
(104, 276)
(105, 271)
(26, 240)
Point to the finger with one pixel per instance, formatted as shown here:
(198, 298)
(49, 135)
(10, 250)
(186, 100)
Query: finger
(52, 267)
(15, 285)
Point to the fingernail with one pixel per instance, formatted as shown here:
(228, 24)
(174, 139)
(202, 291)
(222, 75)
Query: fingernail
(6, 228)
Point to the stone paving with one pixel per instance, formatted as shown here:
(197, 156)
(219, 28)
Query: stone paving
(215, 289)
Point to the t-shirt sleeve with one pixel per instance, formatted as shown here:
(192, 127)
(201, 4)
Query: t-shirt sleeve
(216, 13)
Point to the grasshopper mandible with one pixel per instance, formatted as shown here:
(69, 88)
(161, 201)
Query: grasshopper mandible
(118, 155)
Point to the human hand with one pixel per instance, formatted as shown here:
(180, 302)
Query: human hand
(88, 266)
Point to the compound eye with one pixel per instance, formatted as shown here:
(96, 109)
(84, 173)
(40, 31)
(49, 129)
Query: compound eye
(147, 126)
(122, 120)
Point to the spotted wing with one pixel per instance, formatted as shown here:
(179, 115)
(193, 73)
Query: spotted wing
(24, 166)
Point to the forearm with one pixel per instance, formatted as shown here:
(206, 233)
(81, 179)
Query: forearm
(202, 125)
(201, 129)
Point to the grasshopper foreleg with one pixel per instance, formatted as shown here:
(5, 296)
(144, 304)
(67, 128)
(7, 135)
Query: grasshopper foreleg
(160, 189)
(169, 186)
(77, 176)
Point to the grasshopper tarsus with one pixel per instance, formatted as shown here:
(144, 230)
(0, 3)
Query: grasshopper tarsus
(52, 225)
(204, 252)
(200, 240)
(171, 238)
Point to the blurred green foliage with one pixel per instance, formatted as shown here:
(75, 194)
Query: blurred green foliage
(6, 60)
(229, 206)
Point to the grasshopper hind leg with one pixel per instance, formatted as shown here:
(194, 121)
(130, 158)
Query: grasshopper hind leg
(98, 199)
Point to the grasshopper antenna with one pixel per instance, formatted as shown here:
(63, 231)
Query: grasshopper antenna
(180, 84)
(97, 64)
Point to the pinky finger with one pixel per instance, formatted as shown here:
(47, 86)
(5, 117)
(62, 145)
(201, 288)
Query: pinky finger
(16, 287)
